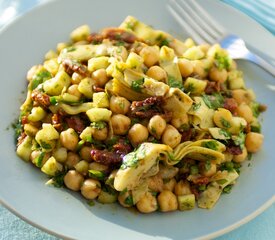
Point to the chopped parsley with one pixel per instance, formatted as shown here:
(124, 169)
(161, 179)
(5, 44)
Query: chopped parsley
(207, 165)
(222, 62)
(45, 145)
(226, 134)
(228, 188)
(172, 82)
(132, 159)
(129, 201)
(225, 123)
(137, 85)
(98, 125)
(194, 170)
(190, 88)
(38, 161)
(255, 109)
(214, 101)
(96, 174)
(210, 144)
(40, 78)
(70, 49)
(58, 179)
(221, 181)
(239, 140)
(196, 106)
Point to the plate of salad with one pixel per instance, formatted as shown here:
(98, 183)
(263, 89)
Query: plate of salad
(125, 123)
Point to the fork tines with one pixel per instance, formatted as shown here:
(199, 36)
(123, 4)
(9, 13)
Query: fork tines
(196, 21)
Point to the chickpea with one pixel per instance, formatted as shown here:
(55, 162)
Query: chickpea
(69, 139)
(199, 67)
(181, 123)
(98, 166)
(138, 134)
(182, 188)
(100, 134)
(91, 188)
(125, 199)
(218, 75)
(72, 160)
(100, 76)
(82, 167)
(60, 154)
(245, 112)
(185, 66)
(147, 204)
(120, 124)
(169, 184)
(167, 201)
(208, 170)
(254, 141)
(85, 153)
(76, 78)
(241, 96)
(73, 90)
(73, 180)
(119, 105)
(171, 136)
(156, 126)
(240, 157)
(155, 183)
(157, 73)
(150, 55)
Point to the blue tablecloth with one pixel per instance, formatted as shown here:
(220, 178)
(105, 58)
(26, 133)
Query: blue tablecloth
(261, 228)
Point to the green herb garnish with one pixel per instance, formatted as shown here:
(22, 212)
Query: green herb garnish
(137, 85)
(210, 144)
(225, 123)
(172, 82)
(96, 174)
(214, 101)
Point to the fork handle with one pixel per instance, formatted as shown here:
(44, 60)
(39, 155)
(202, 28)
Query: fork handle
(261, 62)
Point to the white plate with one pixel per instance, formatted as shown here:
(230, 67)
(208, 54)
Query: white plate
(24, 43)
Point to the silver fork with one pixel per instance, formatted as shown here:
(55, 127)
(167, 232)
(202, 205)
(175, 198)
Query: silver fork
(204, 29)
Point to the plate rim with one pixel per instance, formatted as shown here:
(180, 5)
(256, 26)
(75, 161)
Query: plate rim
(214, 234)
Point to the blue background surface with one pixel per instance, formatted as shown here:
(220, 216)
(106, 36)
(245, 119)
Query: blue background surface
(260, 228)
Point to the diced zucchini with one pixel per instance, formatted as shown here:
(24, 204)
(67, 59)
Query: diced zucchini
(46, 137)
(69, 98)
(37, 114)
(97, 63)
(186, 202)
(50, 54)
(51, 167)
(30, 129)
(55, 85)
(235, 80)
(99, 114)
(194, 86)
(134, 61)
(83, 52)
(86, 87)
(101, 100)
(107, 197)
(25, 148)
(52, 66)
(81, 33)
(86, 133)
(194, 53)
